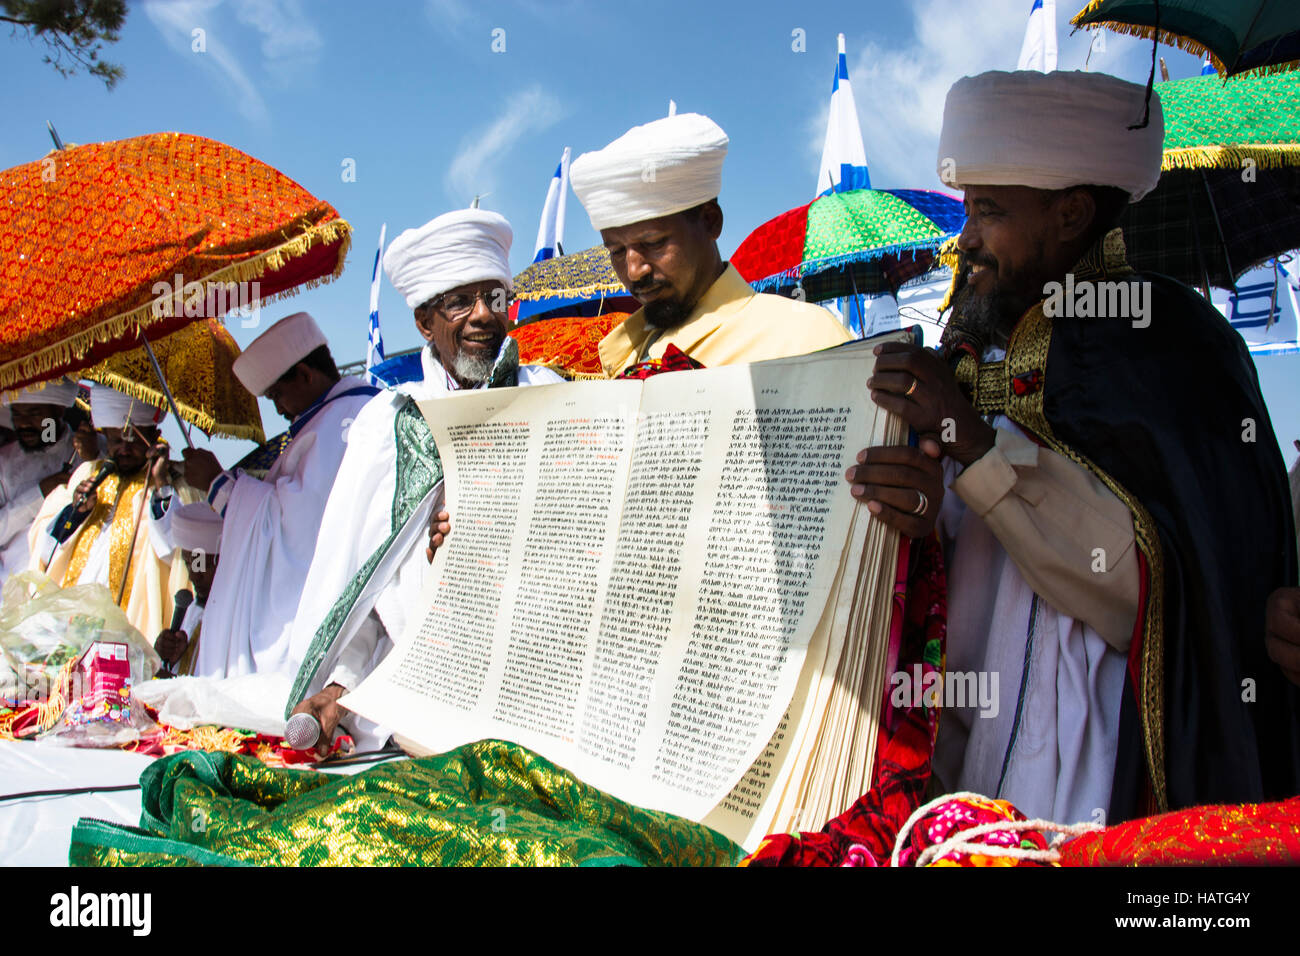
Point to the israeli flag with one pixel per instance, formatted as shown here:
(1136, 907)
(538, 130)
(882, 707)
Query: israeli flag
(844, 159)
(1207, 68)
(1039, 49)
(375, 340)
(550, 232)
(1264, 308)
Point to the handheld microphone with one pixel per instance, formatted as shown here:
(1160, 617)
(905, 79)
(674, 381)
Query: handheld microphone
(106, 469)
(180, 604)
(70, 518)
(302, 732)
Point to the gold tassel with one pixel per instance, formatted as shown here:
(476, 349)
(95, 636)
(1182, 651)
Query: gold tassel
(1265, 155)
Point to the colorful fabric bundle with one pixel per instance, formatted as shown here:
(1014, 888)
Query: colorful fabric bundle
(569, 344)
(484, 804)
(864, 834)
(1252, 834)
(674, 360)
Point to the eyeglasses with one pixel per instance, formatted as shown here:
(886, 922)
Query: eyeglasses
(458, 305)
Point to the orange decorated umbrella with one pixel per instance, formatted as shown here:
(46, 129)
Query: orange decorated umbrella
(103, 242)
(568, 345)
(198, 365)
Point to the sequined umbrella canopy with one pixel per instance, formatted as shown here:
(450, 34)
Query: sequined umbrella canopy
(198, 364)
(101, 241)
(1236, 35)
(579, 275)
(859, 242)
(1229, 191)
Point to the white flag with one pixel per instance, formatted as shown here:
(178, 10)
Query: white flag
(844, 159)
(1039, 49)
(550, 231)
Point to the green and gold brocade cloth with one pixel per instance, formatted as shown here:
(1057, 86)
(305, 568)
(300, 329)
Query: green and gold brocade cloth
(485, 804)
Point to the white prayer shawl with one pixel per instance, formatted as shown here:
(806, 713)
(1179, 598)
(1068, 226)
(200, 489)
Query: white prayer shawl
(267, 542)
(1063, 759)
(21, 473)
(359, 518)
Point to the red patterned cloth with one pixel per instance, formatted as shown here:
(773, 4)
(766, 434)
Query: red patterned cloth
(674, 360)
(864, 834)
(1252, 834)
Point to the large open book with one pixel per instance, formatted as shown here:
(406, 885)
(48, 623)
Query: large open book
(663, 586)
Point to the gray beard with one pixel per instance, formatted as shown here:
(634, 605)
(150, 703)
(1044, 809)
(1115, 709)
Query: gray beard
(989, 318)
(475, 371)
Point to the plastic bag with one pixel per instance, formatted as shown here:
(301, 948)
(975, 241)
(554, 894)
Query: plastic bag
(73, 652)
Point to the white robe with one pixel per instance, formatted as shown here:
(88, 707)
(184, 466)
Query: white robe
(268, 537)
(21, 473)
(1062, 762)
(359, 518)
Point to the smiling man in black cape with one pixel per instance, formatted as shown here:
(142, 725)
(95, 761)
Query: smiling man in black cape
(1120, 509)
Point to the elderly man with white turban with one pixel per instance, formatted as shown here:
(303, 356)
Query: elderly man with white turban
(110, 523)
(1119, 510)
(33, 465)
(652, 195)
(454, 273)
(271, 523)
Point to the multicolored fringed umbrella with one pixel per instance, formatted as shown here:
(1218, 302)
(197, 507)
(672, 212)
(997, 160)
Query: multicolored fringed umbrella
(569, 345)
(1236, 35)
(101, 241)
(860, 242)
(198, 363)
(579, 275)
(1229, 194)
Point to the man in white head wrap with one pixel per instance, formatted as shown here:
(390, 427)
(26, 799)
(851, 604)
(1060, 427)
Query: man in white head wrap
(454, 273)
(33, 465)
(115, 531)
(271, 523)
(1100, 485)
(196, 533)
(652, 195)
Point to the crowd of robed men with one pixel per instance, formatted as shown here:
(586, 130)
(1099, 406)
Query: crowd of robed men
(1142, 680)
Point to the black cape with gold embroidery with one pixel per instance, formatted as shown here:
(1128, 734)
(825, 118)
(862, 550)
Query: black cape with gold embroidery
(1171, 417)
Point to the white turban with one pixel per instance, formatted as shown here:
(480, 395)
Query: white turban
(196, 527)
(277, 350)
(62, 392)
(658, 169)
(1050, 131)
(457, 248)
(111, 409)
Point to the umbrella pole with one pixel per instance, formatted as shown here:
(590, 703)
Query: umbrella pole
(1272, 299)
(1196, 239)
(157, 370)
(1214, 211)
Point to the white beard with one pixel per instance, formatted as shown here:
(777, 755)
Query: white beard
(475, 371)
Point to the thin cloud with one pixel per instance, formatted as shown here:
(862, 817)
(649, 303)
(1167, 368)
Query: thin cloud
(473, 170)
(290, 43)
(176, 21)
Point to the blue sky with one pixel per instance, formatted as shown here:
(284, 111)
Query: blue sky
(414, 93)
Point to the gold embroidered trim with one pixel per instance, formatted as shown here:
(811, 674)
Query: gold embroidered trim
(109, 497)
(989, 385)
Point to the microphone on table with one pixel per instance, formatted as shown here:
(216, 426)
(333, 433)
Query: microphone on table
(302, 732)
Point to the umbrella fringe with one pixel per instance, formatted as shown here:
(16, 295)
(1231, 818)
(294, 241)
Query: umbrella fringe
(586, 290)
(142, 317)
(1265, 156)
(1146, 32)
(779, 279)
(195, 416)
